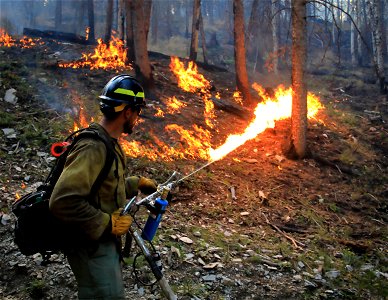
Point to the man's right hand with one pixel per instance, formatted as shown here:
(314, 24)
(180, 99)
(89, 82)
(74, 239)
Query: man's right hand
(120, 224)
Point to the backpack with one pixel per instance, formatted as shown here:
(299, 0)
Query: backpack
(36, 229)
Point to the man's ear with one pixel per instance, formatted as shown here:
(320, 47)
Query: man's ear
(127, 113)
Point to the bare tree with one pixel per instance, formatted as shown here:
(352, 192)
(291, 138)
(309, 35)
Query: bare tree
(253, 25)
(91, 20)
(353, 40)
(131, 57)
(242, 81)
(154, 22)
(147, 16)
(121, 19)
(274, 27)
(298, 141)
(195, 30)
(109, 20)
(374, 8)
(203, 38)
(143, 66)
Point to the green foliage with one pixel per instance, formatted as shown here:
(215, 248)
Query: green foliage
(7, 119)
(36, 289)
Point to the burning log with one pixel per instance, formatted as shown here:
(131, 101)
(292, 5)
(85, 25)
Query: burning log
(232, 108)
(58, 35)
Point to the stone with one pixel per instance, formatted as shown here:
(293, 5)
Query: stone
(210, 277)
(10, 96)
(332, 274)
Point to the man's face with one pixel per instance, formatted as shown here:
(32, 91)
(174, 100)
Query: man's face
(131, 120)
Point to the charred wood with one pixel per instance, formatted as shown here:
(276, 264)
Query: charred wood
(58, 35)
(232, 108)
(340, 168)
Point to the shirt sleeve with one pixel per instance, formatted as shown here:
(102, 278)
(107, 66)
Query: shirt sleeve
(69, 200)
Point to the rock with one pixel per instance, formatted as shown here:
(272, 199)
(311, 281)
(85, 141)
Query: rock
(5, 219)
(10, 96)
(189, 256)
(280, 158)
(227, 233)
(366, 267)
(186, 240)
(310, 284)
(9, 133)
(297, 277)
(197, 234)
(213, 265)
(332, 274)
(176, 251)
(300, 264)
(349, 268)
(210, 277)
(250, 160)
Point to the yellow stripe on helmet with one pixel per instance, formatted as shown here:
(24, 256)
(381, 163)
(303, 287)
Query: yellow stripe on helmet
(129, 93)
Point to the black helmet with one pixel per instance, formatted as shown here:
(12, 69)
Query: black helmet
(120, 91)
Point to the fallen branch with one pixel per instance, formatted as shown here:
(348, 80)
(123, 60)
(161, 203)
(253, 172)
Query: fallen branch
(341, 169)
(294, 241)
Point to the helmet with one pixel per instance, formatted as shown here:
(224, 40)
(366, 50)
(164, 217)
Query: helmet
(120, 91)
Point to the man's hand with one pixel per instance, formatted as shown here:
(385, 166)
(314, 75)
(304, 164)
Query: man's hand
(147, 186)
(120, 224)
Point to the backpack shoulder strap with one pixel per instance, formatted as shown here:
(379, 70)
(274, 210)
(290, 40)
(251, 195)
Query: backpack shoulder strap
(110, 156)
(57, 169)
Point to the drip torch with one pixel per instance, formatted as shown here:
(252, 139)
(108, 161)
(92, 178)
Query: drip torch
(157, 202)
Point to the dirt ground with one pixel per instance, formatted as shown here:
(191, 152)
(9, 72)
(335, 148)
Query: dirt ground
(296, 229)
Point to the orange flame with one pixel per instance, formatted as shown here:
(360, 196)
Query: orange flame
(266, 113)
(82, 121)
(159, 113)
(87, 31)
(191, 81)
(105, 57)
(238, 97)
(7, 41)
(17, 196)
(174, 105)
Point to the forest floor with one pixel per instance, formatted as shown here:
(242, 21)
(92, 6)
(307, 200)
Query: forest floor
(296, 229)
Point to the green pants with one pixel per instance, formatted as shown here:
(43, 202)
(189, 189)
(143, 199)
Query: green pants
(98, 272)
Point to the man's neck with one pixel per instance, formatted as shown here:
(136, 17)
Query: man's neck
(111, 127)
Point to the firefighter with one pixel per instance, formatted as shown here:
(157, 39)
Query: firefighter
(96, 261)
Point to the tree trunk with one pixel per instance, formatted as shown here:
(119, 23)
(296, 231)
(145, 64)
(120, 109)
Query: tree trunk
(299, 95)
(353, 53)
(91, 20)
(143, 70)
(58, 15)
(154, 22)
(359, 40)
(274, 27)
(203, 38)
(131, 57)
(121, 20)
(109, 20)
(195, 30)
(242, 81)
(80, 7)
(147, 16)
(374, 11)
(253, 25)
